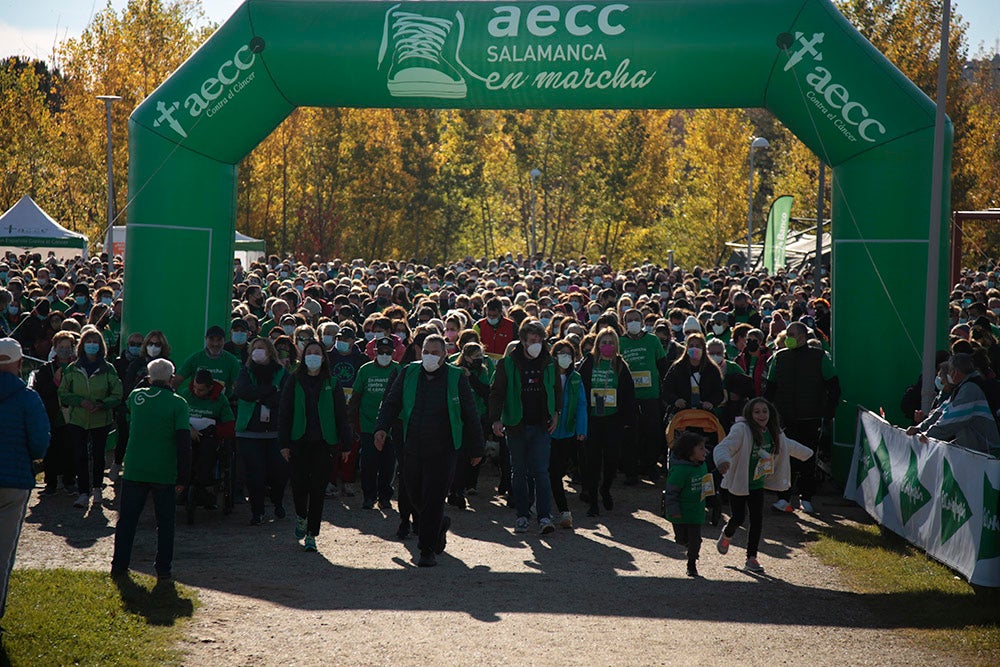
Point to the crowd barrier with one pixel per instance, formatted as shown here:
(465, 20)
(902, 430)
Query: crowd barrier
(940, 497)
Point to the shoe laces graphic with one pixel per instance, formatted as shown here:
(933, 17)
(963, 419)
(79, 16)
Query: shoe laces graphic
(415, 36)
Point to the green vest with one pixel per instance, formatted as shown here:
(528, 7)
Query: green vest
(573, 382)
(244, 409)
(327, 417)
(513, 410)
(410, 376)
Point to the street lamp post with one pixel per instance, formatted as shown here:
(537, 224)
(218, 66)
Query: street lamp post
(758, 142)
(108, 246)
(534, 173)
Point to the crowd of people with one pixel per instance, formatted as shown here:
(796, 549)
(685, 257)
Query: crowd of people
(413, 377)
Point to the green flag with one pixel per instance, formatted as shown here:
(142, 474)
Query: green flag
(989, 539)
(884, 466)
(955, 510)
(777, 232)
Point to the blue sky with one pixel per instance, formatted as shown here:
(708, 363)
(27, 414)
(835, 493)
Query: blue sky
(31, 27)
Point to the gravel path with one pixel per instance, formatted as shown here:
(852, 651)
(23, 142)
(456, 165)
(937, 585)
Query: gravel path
(611, 592)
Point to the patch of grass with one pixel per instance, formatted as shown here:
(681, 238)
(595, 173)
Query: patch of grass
(909, 590)
(66, 617)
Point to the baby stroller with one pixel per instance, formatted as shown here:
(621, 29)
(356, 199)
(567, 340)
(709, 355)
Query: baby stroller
(707, 425)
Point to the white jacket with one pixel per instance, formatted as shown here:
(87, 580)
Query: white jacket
(735, 450)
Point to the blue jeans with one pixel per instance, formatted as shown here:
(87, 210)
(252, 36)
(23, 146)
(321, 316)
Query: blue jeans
(133, 500)
(529, 456)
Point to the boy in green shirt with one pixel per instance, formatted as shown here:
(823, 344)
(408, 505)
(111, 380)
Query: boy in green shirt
(370, 384)
(688, 484)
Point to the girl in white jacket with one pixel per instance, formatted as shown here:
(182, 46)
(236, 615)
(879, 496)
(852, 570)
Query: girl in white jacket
(754, 457)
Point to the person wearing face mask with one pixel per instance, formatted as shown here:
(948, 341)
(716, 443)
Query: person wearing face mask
(676, 318)
(130, 352)
(154, 346)
(91, 390)
(258, 394)
(328, 335)
(716, 351)
(313, 431)
(239, 337)
(648, 364)
(524, 405)
(805, 390)
(212, 422)
(58, 460)
(571, 431)
(480, 370)
(276, 309)
(435, 403)
(370, 385)
(345, 361)
(964, 417)
(755, 360)
(910, 404)
(81, 303)
(223, 366)
(382, 328)
(61, 296)
(496, 332)
(10, 313)
(612, 413)
(693, 381)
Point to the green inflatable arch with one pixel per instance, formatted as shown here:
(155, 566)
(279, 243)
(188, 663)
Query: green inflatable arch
(800, 59)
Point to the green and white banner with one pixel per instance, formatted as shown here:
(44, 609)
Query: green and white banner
(777, 232)
(940, 497)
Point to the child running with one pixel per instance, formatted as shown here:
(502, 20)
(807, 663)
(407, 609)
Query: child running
(754, 457)
(688, 483)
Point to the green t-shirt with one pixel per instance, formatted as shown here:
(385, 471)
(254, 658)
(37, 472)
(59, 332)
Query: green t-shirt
(156, 414)
(641, 355)
(225, 368)
(603, 397)
(206, 408)
(694, 483)
(370, 384)
(761, 463)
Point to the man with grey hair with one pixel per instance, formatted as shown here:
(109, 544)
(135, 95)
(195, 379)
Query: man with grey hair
(23, 438)
(157, 462)
(965, 418)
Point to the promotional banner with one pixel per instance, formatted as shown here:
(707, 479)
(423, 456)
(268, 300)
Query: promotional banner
(940, 497)
(777, 232)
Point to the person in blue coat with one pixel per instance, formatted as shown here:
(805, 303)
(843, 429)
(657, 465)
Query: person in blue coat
(571, 432)
(23, 439)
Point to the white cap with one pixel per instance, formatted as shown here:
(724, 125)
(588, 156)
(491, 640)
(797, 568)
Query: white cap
(10, 351)
(692, 325)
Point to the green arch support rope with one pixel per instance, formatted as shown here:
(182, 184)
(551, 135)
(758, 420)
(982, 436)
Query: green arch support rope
(800, 59)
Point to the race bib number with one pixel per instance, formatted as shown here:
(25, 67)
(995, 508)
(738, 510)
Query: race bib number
(642, 379)
(603, 398)
(707, 486)
(765, 465)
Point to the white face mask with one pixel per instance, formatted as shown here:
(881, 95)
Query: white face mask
(153, 350)
(565, 360)
(633, 326)
(383, 359)
(313, 361)
(533, 350)
(717, 358)
(327, 341)
(430, 362)
(259, 355)
(289, 329)
(718, 329)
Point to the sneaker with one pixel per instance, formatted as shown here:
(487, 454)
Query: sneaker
(279, 511)
(545, 526)
(782, 506)
(347, 490)
(418, 67)
(723, 544)
(752, 565)
(807, 507)
(427, 559)
(310, 543)
(385, 505)
(566, 519)
(300, 527)
(442, 542)
(693, 570)
(521, 524)
(331, 490)
(82, 501)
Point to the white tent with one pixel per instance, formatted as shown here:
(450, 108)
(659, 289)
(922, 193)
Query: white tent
(27, 228)
(247, 249)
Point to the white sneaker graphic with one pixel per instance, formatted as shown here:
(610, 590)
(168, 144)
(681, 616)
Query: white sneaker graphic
(419, 67)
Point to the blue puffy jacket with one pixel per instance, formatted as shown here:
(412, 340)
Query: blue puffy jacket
(24, 435)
